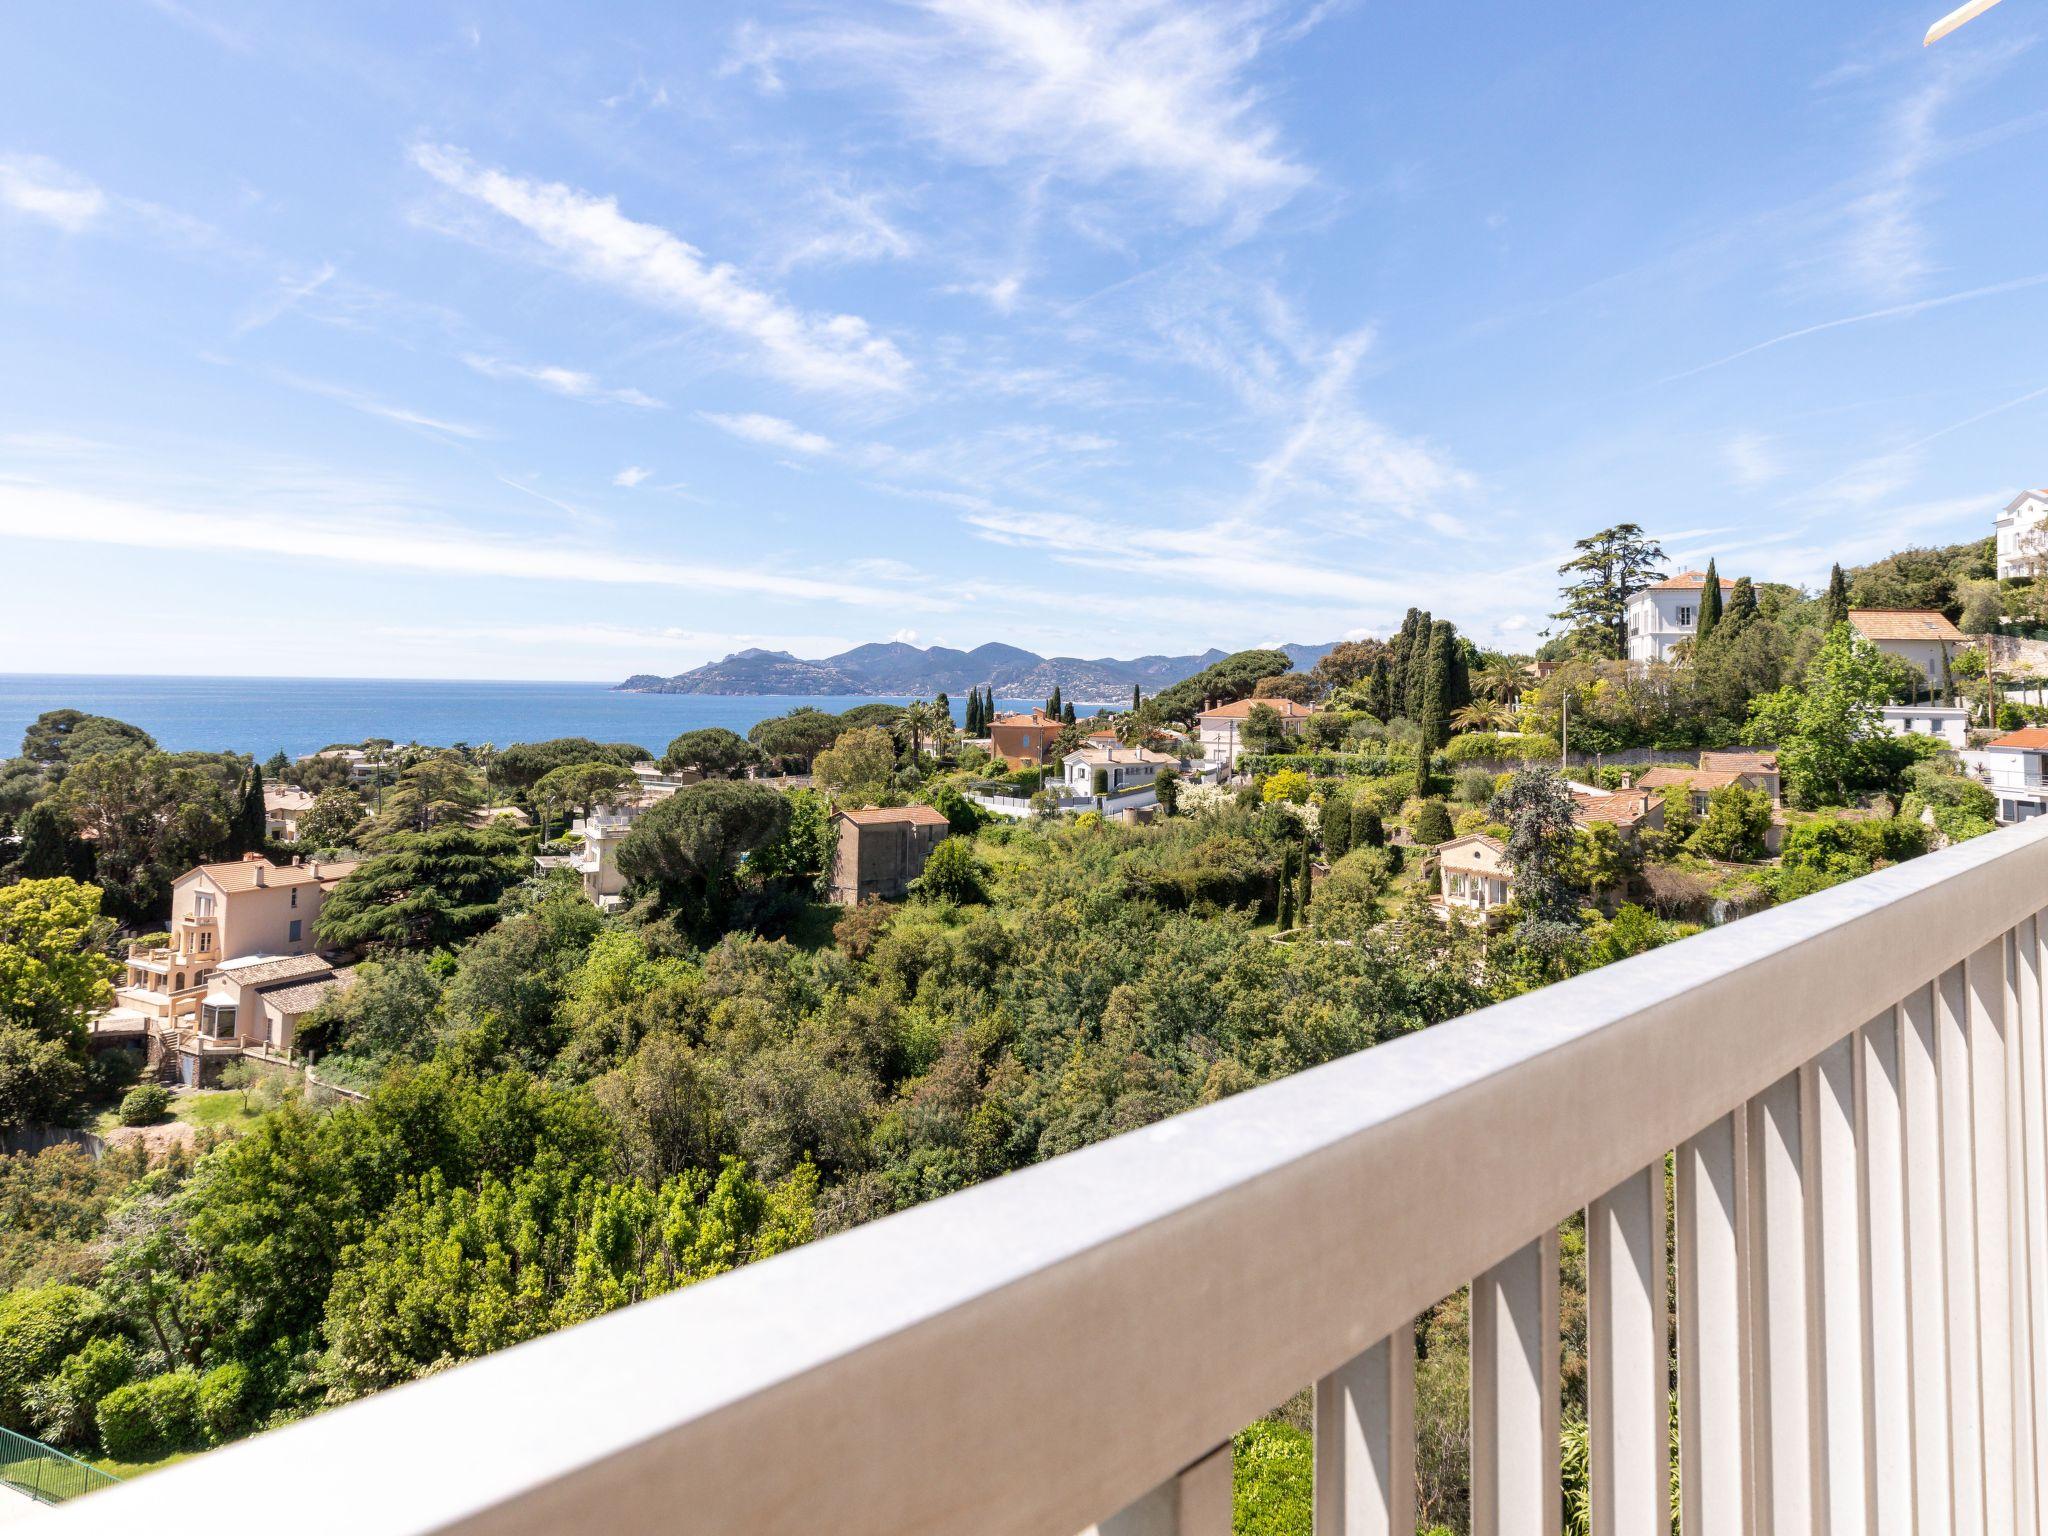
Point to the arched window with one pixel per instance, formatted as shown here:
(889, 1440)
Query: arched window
(178, 982)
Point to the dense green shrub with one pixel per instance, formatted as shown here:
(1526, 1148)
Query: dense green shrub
(65, 1402)
(38, 1328)
(152, 1418)
(145, 1104)
(1432, 823)
(953, 872)
(1273, 1481)
(226, 1394)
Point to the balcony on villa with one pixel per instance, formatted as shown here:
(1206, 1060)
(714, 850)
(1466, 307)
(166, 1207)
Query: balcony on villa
(1836, 1108)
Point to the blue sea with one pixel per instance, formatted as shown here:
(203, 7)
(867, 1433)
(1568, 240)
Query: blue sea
(262, 715)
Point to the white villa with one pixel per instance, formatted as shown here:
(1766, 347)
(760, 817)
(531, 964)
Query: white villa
(1948, 723)
(1219, 729)
(1473, 874)
(2023, 535)
(2015, 767)
(1660, 616)
(1922, 636)
(1121, 768)
(598, 862)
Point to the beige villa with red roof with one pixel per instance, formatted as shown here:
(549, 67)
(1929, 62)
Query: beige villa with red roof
(1661, 615)
(1220, 729)
(877, 852)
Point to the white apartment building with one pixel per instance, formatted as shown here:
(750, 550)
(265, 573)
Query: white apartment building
(2023, 535)
(1949, 723)
(2015, 768)
(1660, 616)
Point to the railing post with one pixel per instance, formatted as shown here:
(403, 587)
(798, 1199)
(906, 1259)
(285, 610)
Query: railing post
(1784, 1450)
(2033, 1111)
(1887, 1327)
(1926, 1256)
(1838, 1267)
(1365, 1442)
(2019, 1182)
(1964, 1407)
(1987, 984)
(1515, 1395)
(1628, 1390)
(1713, 1332)
(1194, 1502)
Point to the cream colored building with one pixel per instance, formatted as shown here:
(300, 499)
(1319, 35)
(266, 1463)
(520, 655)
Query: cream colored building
(1220, 730)
(1473, 874)
(222, 912)
(283, 806)
(252, 1006)
(1922, 637)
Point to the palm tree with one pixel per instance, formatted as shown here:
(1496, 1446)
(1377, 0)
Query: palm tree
(1484, 715)
(1499, 680)
(919, 721)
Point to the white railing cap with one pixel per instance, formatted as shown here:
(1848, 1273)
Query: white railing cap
(1032, 1353)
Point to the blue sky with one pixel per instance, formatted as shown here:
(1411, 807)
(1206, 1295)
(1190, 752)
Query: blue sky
(528, 340)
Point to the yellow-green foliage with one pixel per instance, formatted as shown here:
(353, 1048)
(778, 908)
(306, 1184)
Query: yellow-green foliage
(1273, 1485)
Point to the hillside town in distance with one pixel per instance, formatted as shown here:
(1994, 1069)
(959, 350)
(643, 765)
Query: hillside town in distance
(726, 994)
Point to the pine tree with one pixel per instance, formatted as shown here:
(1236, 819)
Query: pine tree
(1710, 608)
(1834, 607)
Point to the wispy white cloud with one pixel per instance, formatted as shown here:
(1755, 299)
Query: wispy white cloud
(1095, 90)
(37, 511)
(383, 410)
(846, 227)
(1752, 459)
(769, 431)
(672, 645)
(647, 262)
(285, 297)
(561, 381)
(630, 476)
(43, 189)
(227, 37)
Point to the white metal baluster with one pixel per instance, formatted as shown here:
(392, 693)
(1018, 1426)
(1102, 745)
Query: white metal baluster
(1784, 1452)
(1515, 1391)
(2034, 1152)
(1195, 1502)
(1987, 980)
(1628, 1393)
(2018, 1228)
(1713, 1349)
(1888, 1357)
(1365, 1442)
(1835, 1228)
(1959, 1241)
(1926, 1258)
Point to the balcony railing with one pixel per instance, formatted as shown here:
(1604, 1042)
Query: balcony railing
(1850, 1089)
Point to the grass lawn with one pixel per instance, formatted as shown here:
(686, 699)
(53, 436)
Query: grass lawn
(206, 1108)
(126, 1470)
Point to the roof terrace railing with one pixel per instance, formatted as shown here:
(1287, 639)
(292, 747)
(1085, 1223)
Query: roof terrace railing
(1850, 1088)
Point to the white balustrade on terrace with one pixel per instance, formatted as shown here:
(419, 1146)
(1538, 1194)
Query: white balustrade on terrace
(1850, 1090)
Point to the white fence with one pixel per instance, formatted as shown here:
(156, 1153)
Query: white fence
(1851, 1088)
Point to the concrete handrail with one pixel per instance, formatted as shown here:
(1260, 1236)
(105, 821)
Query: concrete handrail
(1039, 1352)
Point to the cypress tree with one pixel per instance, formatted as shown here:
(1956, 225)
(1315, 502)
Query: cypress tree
(1710, 608)
(1381, 697)
(1741, 607)
(250, 821)
(1415, 686)
(1067, 714)
(1402, 653)
(1834, 607)
(1137, 697)
(1336, 826)
(1285, 916)
(1367, 830)
(1433, 707)
(1306, 889)
(1052, 705)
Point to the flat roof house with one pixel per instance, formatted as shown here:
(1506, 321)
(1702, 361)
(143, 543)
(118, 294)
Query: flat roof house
(1023, 740)
(1220, 729)
(1666, 612)
(878, 851)
(2015, 768)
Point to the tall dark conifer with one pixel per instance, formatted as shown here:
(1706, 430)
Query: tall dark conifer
(1710, 608)
(1137, 696)
(1834, 607)
(250, 821)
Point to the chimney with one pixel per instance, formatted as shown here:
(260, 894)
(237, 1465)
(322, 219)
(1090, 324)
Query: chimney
(314, 866)
(260, 869)
(1628, 781)
(251, 858)
(295, 861)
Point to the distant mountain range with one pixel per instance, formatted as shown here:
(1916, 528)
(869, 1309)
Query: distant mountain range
(920, 672)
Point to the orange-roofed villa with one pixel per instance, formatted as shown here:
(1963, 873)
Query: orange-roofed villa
(1220, 729)
(1661, 615)
(2015, 769)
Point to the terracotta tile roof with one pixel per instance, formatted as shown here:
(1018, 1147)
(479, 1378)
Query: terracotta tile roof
(255, 970)
(1286, 709)
(308, 994)
(2032, 739)
(1756, 760)
(1624, 808)
(1698, 778)
(1034, 717)
(1487, 838)
(1903, 624)
(240, 874)
(1688, 581)
(917, 815)
(286, 799)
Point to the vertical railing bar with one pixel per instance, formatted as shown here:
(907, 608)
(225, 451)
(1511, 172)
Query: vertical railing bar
(1365, 1442)
(1515, 1395)
(1927, 1324)
(1713, 1351)
(1986, 971)
(1784, 1456)
(2033, 1112)
(1959, 1230)
(1836, 1274)
(1628, 1397)
(1196, 1501)
(1889, 1484)
(2019, 1252)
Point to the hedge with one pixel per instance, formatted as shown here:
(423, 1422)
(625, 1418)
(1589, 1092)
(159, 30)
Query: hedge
(38, 1328)
(1326, 765)
(150, 1419)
